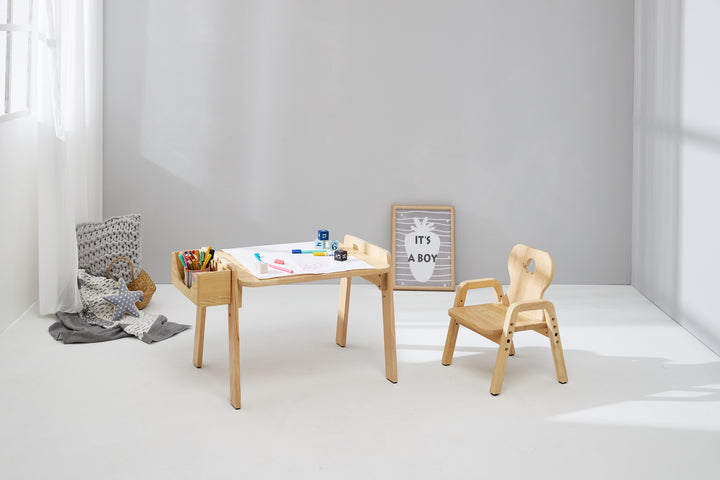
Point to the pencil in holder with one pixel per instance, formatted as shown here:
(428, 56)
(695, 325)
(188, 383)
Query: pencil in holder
(190, 275)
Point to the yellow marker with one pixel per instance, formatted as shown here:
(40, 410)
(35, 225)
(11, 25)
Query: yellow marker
(320, 254)
(207, 259)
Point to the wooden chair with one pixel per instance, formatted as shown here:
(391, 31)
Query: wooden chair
(521, 308)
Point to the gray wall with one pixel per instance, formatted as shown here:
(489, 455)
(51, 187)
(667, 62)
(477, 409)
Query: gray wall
(252, 122)
(677, 162)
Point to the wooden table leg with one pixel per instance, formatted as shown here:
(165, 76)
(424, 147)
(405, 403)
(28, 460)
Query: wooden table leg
(199, 336)
(234, 341)
(341, 334)
(388, 308)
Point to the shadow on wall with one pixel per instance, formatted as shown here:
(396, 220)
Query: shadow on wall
(677, 160)
(656, 152)
(178, 148)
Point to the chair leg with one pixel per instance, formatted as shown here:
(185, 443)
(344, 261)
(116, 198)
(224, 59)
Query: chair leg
(500, 364)
(556, 347)
(512, 348)
(450, 342)
(558, 357)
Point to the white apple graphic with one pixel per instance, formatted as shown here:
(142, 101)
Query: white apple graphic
(422, 246)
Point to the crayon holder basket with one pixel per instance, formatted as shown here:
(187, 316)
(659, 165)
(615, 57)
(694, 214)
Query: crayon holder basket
(206, 287)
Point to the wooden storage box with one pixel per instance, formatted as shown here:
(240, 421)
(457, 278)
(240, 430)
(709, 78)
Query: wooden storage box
(208, 289)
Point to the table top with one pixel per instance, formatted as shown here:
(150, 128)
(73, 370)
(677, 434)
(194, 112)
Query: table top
(372, 256)
(214, 287)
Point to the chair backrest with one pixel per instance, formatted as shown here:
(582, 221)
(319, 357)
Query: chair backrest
(531, 272)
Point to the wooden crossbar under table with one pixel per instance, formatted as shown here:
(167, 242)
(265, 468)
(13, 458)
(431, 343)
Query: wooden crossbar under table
(224, 285)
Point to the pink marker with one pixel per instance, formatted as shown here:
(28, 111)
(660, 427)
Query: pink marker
(278, 267)
(281, 262)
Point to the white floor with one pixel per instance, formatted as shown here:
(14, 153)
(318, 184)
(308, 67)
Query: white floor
(642, 401)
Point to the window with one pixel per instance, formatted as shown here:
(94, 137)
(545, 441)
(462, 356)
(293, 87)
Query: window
(15, 38)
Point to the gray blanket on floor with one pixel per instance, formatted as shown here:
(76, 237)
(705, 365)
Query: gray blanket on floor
(71, 328)
(95, 323)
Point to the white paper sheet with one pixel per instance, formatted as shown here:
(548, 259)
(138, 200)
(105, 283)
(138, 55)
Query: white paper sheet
(299, 263)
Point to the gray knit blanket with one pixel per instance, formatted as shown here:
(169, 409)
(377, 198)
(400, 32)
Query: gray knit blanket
(99, 243)
(95, 322)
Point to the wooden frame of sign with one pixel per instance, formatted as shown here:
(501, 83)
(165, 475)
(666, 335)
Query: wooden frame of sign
(423, 247)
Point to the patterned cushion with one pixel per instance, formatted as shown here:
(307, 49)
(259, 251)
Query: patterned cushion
(124, 301)
(102, 242)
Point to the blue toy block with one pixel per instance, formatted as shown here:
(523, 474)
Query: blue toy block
(319, 245)
(334, 245)
(323, 235)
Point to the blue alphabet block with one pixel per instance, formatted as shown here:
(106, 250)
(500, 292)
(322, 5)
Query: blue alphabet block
(319, 245)
(323, 235)
(334, 245)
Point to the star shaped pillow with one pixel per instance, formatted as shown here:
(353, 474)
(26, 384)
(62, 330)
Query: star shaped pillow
(124, 301)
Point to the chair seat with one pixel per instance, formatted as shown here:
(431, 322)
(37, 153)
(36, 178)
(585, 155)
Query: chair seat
(488, 319)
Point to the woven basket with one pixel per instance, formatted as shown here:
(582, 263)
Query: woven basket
(142, 283)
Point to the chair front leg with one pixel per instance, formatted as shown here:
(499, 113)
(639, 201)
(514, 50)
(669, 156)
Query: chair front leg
(450, 342)
(556, 344)
(506, 347)
(500, 364)
(453, 328)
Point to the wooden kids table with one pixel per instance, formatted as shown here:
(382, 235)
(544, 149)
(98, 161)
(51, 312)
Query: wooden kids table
(224, 285)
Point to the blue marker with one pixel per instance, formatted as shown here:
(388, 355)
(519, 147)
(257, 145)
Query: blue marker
(257, 255)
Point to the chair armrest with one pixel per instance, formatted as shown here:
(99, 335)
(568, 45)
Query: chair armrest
(527, 306)
(473, 284)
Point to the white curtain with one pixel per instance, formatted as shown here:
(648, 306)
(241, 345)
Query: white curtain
(67, 87)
